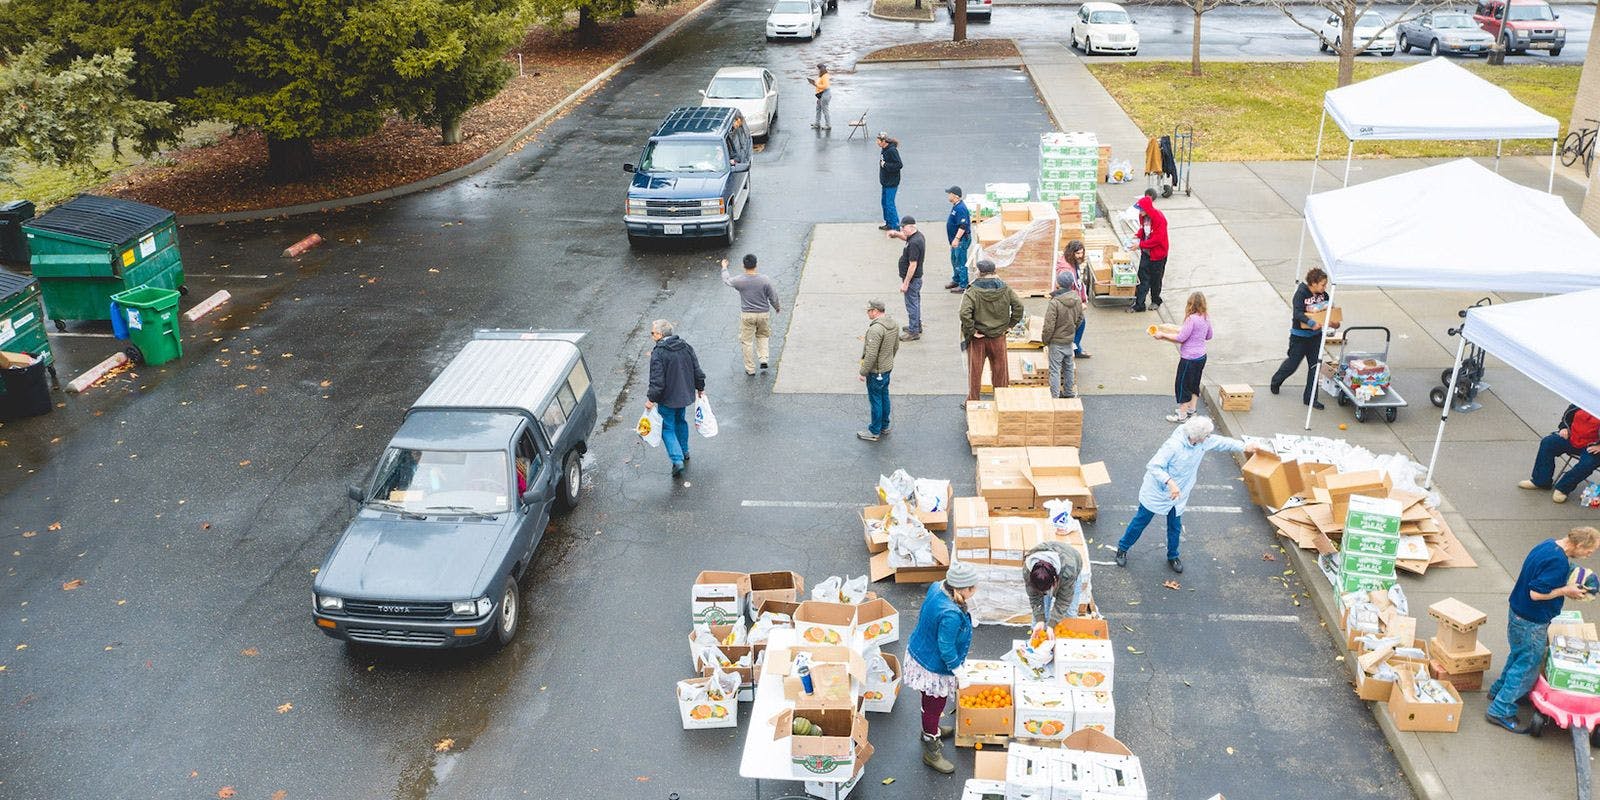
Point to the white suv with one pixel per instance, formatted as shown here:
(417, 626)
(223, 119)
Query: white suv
(1104, 28)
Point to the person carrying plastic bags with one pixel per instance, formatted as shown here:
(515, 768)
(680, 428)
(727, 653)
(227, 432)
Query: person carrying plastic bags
(676, 381)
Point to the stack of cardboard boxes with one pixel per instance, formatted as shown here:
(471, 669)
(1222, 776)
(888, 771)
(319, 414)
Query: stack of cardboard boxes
(1030, 256)
(1022, 416)
(1069, 166)
(1020, 481)
(1070, 211)
(1383, 640)
(1088, 765)
(1454, 653)
(1064, 685)
(1371, 542)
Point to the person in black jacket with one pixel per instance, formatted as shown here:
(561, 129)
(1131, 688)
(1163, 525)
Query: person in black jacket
(889, 165)
(675, 381)
(1305, 333)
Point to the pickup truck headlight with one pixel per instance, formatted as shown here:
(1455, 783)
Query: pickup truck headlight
(714, 205)
(327, 603)
(636, 206)
(471, 608)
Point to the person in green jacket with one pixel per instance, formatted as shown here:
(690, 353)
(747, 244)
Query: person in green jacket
(989, 309)
(877, 360)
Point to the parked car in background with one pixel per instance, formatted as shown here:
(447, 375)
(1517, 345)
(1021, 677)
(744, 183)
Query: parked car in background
(1104, 28)
(1534, 25)
(1370, 28)
(794, 19)
(752, 90)
(692, 179)
(976, 9)
(1444, 32)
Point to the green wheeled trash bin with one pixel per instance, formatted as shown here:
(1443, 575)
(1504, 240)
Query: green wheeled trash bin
(151, 314)
(90, 248)
(22, 320)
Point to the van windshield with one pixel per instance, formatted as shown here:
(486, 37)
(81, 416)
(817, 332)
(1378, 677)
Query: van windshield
(668, 155)
(442, 482)
(735, 89)
(1531, 12)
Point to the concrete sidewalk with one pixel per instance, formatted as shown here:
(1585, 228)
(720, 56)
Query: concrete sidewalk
(1238, 239)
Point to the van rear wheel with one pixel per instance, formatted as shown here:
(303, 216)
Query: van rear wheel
(571, 481)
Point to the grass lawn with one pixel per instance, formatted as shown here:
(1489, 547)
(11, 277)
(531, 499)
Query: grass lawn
(47, 185)
(1269, 112)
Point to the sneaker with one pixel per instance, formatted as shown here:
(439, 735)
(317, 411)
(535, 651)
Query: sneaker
(884, 228)
(959, 290)
(1316, 404)
(1526, 484)
(1134, 310)
(816, 127)
(1122, 558)
(1155, 303)
(1082, 354)
(1558, 496)
(763, 365)
(677, 469)
(686, 459)
(827, 127)
(1176, 564)
(750, 372)
(867, 436)
(884, 432)
(1178, 416)
(1509, 723)
(910, 337)
(951, 285)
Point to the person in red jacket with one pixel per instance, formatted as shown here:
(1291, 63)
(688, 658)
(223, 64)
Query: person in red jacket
(1152, 235)
(1579, 435)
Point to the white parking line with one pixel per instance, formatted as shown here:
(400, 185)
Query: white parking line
(796, 504)
(1202, 509)
(81, 335)
(226, 275)
(1160, 615)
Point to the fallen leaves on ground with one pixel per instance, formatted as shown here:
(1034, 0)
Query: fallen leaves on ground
(72, 584)
(226, 792)
(285, 708)
(444, 745)
(1268, 557)
(280, 794)
(250, 652)
(54, 526)
(29, 534)
(1173, 585)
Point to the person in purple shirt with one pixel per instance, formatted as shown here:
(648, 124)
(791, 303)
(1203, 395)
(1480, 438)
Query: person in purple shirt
(1191, 339)
(1536, 599)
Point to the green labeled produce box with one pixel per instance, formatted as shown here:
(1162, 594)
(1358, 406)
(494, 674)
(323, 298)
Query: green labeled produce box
(1376, 544)
(1572, 676)
(1366, 564)
(1363, 583)
(1373, 515)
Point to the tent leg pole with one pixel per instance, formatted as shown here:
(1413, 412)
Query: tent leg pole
(1316, 163)
(1349, 153)
(1449, 398)
(1550, 187)
(1316, 369)
(1498, 144)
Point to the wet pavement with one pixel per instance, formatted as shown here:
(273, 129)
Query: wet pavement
(194, 501)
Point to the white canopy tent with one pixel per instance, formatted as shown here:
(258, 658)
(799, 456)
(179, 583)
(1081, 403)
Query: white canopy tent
(1549, 339)
(1427, 229)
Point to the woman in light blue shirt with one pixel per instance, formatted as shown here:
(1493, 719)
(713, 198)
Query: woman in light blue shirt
(1168, 479)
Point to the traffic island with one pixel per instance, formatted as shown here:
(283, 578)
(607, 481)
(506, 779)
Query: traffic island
(986, 52)
(903, 10)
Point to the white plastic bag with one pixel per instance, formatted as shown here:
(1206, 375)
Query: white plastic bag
(896, 488)
(854, 590)
(932, 495)
(827, 591)
(705, 422)
(649, 427)
(1060, 510)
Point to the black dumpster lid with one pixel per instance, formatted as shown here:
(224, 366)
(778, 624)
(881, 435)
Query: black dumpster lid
(11, 283)
(101, 219)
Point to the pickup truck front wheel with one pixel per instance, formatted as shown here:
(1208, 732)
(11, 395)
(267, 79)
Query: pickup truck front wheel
(510, 616)
(571, 481)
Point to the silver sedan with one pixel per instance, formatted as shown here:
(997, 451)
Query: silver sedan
(1445, 32)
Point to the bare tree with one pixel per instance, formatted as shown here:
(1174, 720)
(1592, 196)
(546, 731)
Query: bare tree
(1200, 7)
(958, 17)
(1346, 45)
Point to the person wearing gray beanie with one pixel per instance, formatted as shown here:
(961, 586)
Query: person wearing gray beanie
(1062, 317)
(937, 648)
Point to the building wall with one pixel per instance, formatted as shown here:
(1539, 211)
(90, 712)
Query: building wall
(1585, 107)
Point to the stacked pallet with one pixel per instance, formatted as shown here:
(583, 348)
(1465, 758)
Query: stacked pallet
(1019, 417)
(1069, 166)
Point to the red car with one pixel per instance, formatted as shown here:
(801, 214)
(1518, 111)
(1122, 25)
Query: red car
(1534, 25)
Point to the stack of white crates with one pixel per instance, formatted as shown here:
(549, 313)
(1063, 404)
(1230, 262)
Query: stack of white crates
(1068, 166)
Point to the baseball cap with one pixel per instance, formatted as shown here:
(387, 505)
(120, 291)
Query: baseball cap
(955, 190)
(876, 305)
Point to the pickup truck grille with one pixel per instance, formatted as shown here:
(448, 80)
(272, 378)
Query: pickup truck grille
(383, 636)
(396, 609)
(672, 208)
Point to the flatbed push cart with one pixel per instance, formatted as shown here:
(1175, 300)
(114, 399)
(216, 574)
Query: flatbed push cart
(1390, 402)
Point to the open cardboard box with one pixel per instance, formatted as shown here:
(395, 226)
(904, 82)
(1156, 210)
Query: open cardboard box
(879, 568)
(877, 624)
(837, 674)
(936, 520)
(718, 598)
(1077, 485)
(1267, 479)
(832, 755)
(990, 765)
(706, 712)
(875, 528)
(784, 587)
(1411, 715)
(820, 622)
(1369, 687)
(984, 721)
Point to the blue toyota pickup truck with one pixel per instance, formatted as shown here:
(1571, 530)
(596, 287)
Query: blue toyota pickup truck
(693, 178)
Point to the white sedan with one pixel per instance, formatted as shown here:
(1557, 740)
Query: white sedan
(794, 19)
(1104, 28)
(752, 90)
(1372, 28)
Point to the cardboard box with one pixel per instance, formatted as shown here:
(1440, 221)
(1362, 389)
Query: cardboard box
(1010, 538)
(782, 587)
(1054, 461)
(837, 675)
(938, 520)
(1457, 619)
(1237, 397)
(1341, 486)
(1476, 660)
(1043, 711)
(824, 623)
(1095, 710)
(1410, 714)
(1363, 583)
(986, 672)
(1369, 687)
(878, 694)
(1267, 479)
(983, 423)
(781, 609)
(879, 568)
(1381, 545)
(1571, 676)
(718, 598)
(1085, 663)
(971, 517)
(10, 360)
(1367, 514)
(698, 713)
(836, 790)
(1098, 628)
(983, 721)
(1332, 314)
(877, 624)
(1310, 475)
(1366, 564)
(1079, 487)
(1463, 681)
(834, 753)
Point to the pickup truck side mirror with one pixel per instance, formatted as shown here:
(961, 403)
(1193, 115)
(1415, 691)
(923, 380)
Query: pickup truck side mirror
(628, 168)
(740, 166)
(355, 493)
(702, 93)
(531, 496)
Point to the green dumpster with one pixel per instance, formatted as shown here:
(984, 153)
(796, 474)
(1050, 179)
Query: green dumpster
(152, 319)
(22, 320)
(89, 248)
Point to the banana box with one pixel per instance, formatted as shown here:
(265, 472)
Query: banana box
(822, 623)
(1044, 711)
(1094, 709)
(1085, 663)
(703, 704)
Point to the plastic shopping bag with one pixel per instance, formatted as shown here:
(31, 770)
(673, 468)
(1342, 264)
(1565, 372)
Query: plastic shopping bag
(649, 427)
(704, 421)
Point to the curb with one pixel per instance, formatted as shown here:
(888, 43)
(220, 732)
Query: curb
(1413, 760)
(481, 163)
(933, 16)
(938, 63)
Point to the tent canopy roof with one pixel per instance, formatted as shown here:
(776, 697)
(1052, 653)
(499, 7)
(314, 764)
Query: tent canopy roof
(1457, 225)
(1434, 100)
(1550, 339)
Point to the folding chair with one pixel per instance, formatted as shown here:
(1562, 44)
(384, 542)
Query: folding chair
(858, 125)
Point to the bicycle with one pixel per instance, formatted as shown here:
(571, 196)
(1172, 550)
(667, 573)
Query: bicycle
(1580, 143)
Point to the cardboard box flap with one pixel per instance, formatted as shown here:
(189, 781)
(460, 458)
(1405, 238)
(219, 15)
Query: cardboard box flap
(878, 567)
(874, 610)
(1092, 741)
(989, 765)
(1096, 474)
(717, 585)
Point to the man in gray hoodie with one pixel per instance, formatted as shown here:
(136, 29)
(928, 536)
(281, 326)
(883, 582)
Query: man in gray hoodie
(877, 359)
(1061, 320)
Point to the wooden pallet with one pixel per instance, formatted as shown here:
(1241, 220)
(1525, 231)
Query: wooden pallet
(978, 741)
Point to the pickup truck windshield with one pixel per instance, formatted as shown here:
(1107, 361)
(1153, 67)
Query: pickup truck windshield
(442, 482)
(683, 156)
(736, 89)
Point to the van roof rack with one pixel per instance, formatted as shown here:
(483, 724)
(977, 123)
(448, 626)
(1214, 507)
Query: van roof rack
(695, 119)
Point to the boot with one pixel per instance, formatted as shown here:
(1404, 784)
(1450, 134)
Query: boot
(946, 731)
(933, 755)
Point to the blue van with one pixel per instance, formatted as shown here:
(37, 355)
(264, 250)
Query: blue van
(693, 178)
